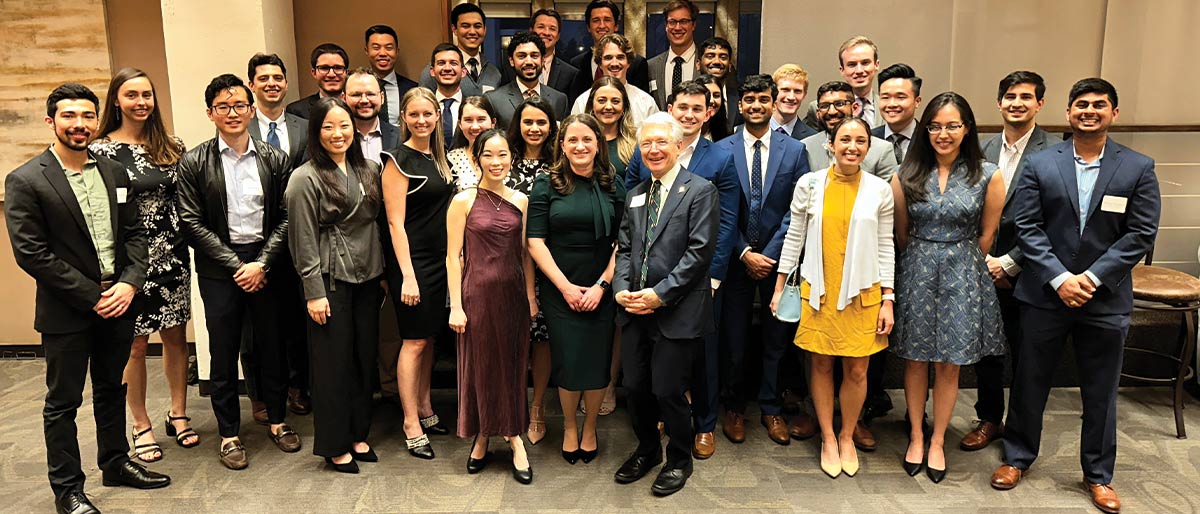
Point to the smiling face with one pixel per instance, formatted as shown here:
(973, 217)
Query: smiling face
(834, 106)
(614, 62)
(1019, 106)
(714, 92)
(330, 73)
(850, 145)
(715, 61)
(473, 122)
(1091, 113)
(495, 161)
(447, 69)
(791, 96)
(363, 96)
(337, 132)
(757, 108)
(135, 99)
(948, 138)
(535, 127)
(859, 66)
(470, 32)
(527, 61)
(381, 52)
(231, 124)
(660, 151)
(898, 102)
(691, 111)
(680, 27)
(608, 106)
(74, 123)
(580, 145)
(269, 84)
(601, 23)
(546, 27)
(420, 117)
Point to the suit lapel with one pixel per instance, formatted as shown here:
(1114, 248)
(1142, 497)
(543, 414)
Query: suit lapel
(1108, 169)
(110, 187)
(674, 197)
(1037, 143)
(1066, 168)
(254, 131)
(773, 161)
(698, 155)
(264, 175)
(57, 177)
(739, 160)
(295, 127)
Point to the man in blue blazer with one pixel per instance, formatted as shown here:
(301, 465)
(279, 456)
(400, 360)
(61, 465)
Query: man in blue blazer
(1087, 211)
(768, 165)
(689, 104)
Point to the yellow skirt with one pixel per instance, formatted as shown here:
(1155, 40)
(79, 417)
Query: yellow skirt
(846, 333)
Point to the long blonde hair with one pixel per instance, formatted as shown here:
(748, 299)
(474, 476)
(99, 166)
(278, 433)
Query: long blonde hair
(437, 140)
(626, 130)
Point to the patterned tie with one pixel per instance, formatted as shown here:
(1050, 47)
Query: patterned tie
(895, 138)
(530, 93)
(755, 194)
(473, 65)
(273, 135)
(676, 74)
(651, 222)
(448, 119)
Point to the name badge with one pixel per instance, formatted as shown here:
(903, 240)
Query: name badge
(654, 85)
(122, 195)
(1114, 204)
(487, 89)
(637, 201)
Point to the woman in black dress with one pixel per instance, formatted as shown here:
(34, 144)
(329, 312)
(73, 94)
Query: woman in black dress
(531, 136)
(132, 132)
(417, 188)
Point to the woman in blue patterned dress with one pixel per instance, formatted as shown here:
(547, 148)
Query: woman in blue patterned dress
(948, 203)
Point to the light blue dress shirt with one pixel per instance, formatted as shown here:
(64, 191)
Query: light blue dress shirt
(244, 193)
(1086, 174)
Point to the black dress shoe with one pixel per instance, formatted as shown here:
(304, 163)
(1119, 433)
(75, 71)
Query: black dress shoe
(912, 468)
(367, 456)
(587, 455)
(571, 456)
(349, 467)
(935, 475)
(636, 467)
(419, 447)
(670, 480)
(75, 502)
(524, 476)
(132, 474)
(476, 465)
(876, 407)
(433, 425)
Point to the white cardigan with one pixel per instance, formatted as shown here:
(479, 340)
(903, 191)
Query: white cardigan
(870, 249)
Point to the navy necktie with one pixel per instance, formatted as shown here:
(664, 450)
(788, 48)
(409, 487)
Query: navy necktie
(473, 66)
(676, 75)
(273, 135)
(448, 120)
(651, 223)
(755, 194)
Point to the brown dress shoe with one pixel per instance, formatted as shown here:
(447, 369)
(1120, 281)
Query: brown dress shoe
(298, 403)
(803, 426)
(985, 432)
(864, 439)
(259, 411)
(233, 455)
(1006, 477)
(706, 445)
(1104, 497)
(286, 439)
(777, 429)
(734, 427)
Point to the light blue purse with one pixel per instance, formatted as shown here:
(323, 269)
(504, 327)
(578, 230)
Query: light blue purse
(788, 308)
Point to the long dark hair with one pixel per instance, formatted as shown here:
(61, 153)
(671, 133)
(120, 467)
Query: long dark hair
(477, 147)
(478, 102)
(327, 171)
(517, 143)
(162, 149)
(921, 159)
(626, 130)
(562, 179)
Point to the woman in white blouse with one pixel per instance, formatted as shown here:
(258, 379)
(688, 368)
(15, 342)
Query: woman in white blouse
(842, 224)
(475, 116)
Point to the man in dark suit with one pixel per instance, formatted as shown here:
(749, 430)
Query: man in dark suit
(1087, 212)
(468, 24)
(525, 56)
(1020, 97)
(380, 47)
(678, 63)
(899, 99)
(364, 96)
(768, 165)
(231, 211)
(329, 65)
(75, 230)
(690, 105)
(792, 81)
(603, 17)
(664, 251)
(445, 65)
(556, 72)
(268, 80)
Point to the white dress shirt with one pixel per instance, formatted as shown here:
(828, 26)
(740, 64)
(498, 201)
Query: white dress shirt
(264, 128)
(391, 91)
(547, 62)
(689, 67)
(748, 140)
(244, 191)
(372, 143)
(667, 180)
(1010, 155)
(685, 155)
(907, 132)
(454, 106)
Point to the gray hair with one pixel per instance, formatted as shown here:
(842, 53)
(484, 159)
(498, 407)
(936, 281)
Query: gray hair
(663, 119)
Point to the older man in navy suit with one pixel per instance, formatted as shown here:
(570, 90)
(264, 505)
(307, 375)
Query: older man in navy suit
(1087, 211)
(768, 165)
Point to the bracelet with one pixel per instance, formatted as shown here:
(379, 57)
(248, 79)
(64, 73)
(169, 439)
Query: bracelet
(890, 296)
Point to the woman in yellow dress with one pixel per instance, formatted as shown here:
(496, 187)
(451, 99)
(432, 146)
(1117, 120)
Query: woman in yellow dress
(842, 224)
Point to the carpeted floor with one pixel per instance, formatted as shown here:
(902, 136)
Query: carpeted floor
(1156, 473)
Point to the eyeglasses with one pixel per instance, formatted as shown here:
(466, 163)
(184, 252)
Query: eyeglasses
(824, 106)
(324, 69)
(952, 128)
(223, 109)
(681, 21)
(367, 95)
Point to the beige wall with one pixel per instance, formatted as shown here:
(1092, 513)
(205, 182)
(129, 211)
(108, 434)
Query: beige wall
(135, 40)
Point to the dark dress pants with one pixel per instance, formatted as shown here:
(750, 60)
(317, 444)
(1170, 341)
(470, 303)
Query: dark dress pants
(226, 308)
(1099, 349)
(657, 372)
(736, 314)
(990, 370)
(102, 349)
(344, 352)
(706, 376)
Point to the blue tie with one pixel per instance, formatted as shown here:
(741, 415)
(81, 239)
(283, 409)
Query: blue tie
(273, 135)
(448, 120)
(755, 194)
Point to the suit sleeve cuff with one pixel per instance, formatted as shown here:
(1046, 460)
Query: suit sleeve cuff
(743, 254)
(1092, 276)
(1058, 281)
(1010, 266)
(716, 284)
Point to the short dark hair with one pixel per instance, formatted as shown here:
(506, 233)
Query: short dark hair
(1022, 77)
(690, 87)
(523, 37)
(328, 48)
(261, 59)
(545, 12)
(602, 4)
(223, 82)
(673, 5)
(835, 85)
(758, 84)
(70, 91)
(1093, 85)
(901, 71)
(716, 42)
(380, 29)
(444, 47)
(462, 9)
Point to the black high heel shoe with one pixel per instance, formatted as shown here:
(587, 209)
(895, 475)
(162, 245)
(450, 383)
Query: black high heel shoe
(571, 456)
(935, 475)
(524, 476)
(367, 456)
(349, 467)
(476, 465)
(433, 425)
(587, 455)
(419, 447)
(912, 468)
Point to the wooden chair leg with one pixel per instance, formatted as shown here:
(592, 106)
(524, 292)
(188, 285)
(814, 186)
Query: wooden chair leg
(1187, 350)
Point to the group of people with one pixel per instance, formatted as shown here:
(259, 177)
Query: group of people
(607, 220)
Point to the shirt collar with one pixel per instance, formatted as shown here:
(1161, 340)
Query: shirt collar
(263, 119)
(390, 78)
(91, 159)
(668, 179)
(457, 96)
(1079, 160)
(1022, 142)
(687, 55)
(749, 139)
(222, 147)
(375, 130)
(789, 126)
(907, 131)
(521, 87)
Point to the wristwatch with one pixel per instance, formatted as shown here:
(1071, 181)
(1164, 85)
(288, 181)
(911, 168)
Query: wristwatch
(603, 285)
(889, 296)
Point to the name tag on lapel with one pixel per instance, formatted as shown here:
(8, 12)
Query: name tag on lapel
(487, 89)
(1115, 204)
(637, 201)
(122, 194)
(654, 85)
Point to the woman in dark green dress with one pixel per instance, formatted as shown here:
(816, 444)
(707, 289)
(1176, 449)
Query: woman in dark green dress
(574, 213)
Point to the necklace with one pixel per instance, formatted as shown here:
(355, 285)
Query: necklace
(491, 201)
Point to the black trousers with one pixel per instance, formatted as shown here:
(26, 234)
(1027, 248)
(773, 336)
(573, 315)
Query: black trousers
(1099, 350)
(990, 370)
(657, 372)
(102, 349)
(736, 314)
(706, 374)
(286, 287)
(227, 307)
(344, 352)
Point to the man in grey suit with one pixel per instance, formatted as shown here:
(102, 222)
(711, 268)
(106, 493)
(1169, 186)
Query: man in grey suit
(1020, 97)
(678, 63)
(467, 22)
(525, 56)
(664, 249)
(445, 65)
(899, 99)
(835, 102)
(858, 62)
(288, 132)
(556, 72)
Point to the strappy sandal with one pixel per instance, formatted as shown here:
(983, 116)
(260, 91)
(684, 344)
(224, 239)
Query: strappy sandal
(433, 425)
(419, 447)
(181, 435)
(609, 403)
(537, 425)
(141, 451)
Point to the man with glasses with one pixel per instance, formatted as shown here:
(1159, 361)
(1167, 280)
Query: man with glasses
(556, 72)
(835, 102)
(676, 65)
(329, 63)
(232, 213)
(858, 62)
(603, 17)
(380, 47)
(468, 23)
(364, 95)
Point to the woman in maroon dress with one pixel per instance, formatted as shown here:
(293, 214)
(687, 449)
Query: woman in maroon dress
(490, 278)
